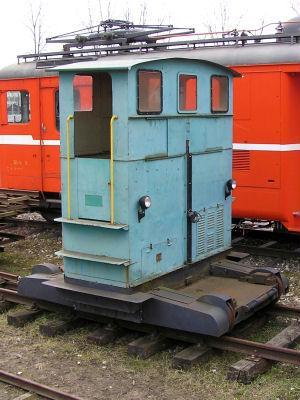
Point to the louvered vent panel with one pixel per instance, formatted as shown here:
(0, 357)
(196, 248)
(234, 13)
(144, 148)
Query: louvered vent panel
(220, 227)
(210, 230)
(211, 219)
(210, 242)
(201, 236)
(241, 160)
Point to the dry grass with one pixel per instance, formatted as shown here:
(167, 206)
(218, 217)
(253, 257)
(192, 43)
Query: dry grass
(106, 372)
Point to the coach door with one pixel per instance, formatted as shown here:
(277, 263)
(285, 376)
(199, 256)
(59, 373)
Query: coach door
(50, 137)
(93, 112)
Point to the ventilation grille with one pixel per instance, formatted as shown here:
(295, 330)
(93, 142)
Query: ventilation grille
(210, 230)
(241, 160)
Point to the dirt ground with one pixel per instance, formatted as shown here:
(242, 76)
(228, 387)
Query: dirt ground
(92, 372)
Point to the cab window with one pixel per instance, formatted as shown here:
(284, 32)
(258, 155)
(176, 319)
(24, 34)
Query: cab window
(18, 107)
(83, 92)
(187, 92)
(219, 94)
(149, 92)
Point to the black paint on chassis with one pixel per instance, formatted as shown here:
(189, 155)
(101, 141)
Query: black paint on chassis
(185, 300)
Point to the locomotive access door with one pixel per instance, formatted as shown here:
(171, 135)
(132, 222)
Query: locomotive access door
(93, 111)
(50, 137)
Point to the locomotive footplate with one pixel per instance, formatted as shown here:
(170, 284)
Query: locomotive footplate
(213, 304)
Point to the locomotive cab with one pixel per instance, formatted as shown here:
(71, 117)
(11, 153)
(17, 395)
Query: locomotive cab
(146, 154)
(168, 145)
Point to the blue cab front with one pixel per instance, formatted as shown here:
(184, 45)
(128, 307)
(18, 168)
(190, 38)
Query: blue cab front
(132, 127)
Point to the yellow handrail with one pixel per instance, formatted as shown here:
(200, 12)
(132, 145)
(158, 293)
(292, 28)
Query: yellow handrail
(69, 118)
(111, 165)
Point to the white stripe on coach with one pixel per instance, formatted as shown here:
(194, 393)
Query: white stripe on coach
(266, 147)
(26, 140)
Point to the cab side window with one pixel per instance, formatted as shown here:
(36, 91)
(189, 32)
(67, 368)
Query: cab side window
(18, 107)
(187, 92)
(149, 92)
(219, 94)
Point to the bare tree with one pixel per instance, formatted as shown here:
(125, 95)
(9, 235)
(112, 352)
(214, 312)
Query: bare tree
(295, 6)
(90, 22)
(99, 11)
(127, 12)
(35, 25)
(143, 12)
(222, 18)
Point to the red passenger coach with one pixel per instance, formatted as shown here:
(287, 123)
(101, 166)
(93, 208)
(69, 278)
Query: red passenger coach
(266, 155)
(266, 138)
(29, 136)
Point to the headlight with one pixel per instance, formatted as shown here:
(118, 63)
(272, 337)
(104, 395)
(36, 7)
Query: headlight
(145, 202)
(230, 185)
(233, 184)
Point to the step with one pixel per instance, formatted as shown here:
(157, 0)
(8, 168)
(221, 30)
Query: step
(90, 222)
(95, 258)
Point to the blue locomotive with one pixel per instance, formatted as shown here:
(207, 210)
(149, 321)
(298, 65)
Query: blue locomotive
(146, 152)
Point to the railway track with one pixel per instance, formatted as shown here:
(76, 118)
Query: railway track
(8, 237)
(10, 227)
(9, 281)
(35, 387)
(266, 243)
(269, 352)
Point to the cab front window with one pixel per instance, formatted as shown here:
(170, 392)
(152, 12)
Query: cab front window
(187, 92)
(219, 94)
(149, 92)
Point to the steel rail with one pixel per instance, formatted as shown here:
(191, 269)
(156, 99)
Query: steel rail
(287, 308)
(11, 295)
(265, 251)
(260, 350)
(35, 387)
(272, 244)
(8, 276)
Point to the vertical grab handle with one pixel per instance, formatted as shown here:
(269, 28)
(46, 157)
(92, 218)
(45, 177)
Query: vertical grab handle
(69, 118)
(112, 182)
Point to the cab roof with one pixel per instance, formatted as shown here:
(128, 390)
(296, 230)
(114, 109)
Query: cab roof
(24, 70)
(125, 62)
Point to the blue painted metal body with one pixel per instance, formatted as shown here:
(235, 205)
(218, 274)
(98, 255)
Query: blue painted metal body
(149, 159)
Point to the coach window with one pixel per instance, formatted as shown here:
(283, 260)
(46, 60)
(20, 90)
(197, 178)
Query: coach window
(56, 107)
(18, 107)
(187, 92)
(219, 94)
(149, 92)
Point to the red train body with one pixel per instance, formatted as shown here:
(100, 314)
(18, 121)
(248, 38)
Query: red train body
(266, 154)
(266, 142)
(29, 133)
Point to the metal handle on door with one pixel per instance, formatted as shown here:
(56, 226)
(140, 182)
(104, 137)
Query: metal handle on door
(43, 127)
